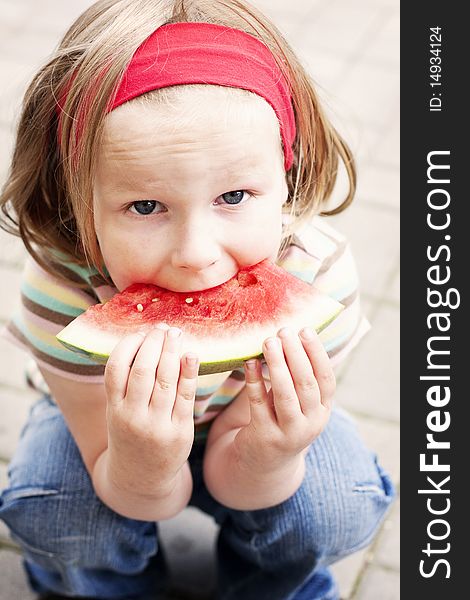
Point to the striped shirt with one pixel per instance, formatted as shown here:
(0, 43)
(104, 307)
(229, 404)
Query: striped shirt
(318, 254)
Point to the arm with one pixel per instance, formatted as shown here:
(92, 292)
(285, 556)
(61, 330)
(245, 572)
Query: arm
(227, 474)
(122, 452)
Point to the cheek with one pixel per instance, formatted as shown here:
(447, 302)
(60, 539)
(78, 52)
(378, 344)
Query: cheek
(261, 237)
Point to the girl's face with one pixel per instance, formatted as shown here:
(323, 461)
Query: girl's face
(188, 193)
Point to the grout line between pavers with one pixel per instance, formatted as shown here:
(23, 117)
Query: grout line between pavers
(359, 52)
(368, 417)
(6, 544)
(369, 558)
(380, 207)
(372, 33)
(373, 298)
(14, 388)
(376, 303)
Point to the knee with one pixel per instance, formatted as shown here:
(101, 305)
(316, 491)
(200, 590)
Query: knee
(59, 527)
(51, 508)
(329, 517)
(346, 517)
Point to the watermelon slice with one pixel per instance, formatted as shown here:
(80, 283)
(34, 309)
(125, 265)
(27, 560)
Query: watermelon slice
(224, 325)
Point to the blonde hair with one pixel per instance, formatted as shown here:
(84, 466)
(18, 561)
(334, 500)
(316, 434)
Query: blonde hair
(48, 196)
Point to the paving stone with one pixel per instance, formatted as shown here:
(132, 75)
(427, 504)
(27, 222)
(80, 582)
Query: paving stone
(383, 48)
(14, 408)
(11, 281)
(14, 586)
(325, 68)
(392, 292)
(5, 542)
(383, 438)
(374, 239)
(378, 583)
(189, 543)
(4, 535)
(13, 253)
(15, 75)
(290, 19)
(387, 548)
(52, 18)
(12, 365)
(370, 384)
(378, 184)
(3, 475)
(13, 13)
(331, 28)
(363, 140)
(6, 147)
(370, 93)
(347, 572)
(387, 150)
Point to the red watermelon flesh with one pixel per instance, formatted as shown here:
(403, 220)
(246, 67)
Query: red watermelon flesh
(224, 325)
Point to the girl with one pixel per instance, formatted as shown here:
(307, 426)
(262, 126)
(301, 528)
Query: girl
(173, 143)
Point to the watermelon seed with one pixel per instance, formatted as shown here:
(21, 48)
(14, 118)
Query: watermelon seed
(188, 300)
(140, 308)
(155, 299)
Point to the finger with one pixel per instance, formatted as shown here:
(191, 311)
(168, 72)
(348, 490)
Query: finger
(168, 371)
(301, 370)
(183, 409)
(286, 403)
(118, 367)
(321, 365)
(261, 409)
(142, 374)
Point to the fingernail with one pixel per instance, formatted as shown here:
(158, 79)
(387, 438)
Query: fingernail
(174, 332)
(307, 333)
(272, 343)
(285, 332)
(251, 365)
(191, 360)
(163, 326)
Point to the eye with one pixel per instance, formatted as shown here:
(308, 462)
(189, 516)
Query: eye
(234, 197)
(145, 207)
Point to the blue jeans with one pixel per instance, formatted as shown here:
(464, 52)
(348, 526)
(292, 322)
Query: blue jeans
(75, 545)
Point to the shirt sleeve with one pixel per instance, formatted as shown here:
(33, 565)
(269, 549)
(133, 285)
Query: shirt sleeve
(322, 256)
(48, 304)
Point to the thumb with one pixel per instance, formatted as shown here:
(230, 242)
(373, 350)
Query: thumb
(256, 391)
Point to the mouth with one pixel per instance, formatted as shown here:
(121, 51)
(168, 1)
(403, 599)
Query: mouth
(202, 287)
(240, 275)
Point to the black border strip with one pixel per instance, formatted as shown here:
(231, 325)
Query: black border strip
(434, 568)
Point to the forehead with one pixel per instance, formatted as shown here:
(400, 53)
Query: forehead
(193, 120)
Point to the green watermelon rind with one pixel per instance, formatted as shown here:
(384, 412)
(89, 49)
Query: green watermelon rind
(205, 368)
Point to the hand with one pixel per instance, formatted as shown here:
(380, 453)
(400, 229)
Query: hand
(288, 418)
(150, 391)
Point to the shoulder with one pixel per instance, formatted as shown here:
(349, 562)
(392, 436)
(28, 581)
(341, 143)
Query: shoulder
(321, 255)
(67, 274)
(65, 287)
(49, 302)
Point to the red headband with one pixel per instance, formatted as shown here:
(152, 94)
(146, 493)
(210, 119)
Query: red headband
(190, 53)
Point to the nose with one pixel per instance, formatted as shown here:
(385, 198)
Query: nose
(196, 246)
